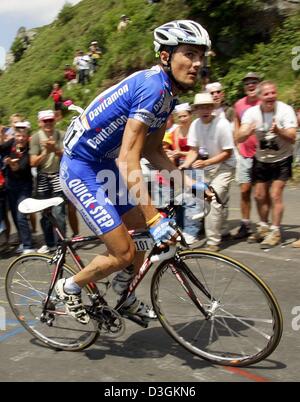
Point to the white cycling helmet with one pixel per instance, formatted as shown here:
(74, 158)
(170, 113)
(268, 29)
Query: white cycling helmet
(180, 31)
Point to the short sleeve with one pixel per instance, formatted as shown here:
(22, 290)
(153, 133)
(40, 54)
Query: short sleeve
(289, 118)
(148, 101)
(193, 138)
(225, 135)
(247, 117)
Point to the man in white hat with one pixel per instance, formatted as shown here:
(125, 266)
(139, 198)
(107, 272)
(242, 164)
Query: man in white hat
(46, 148)
(218, 95)
(211, 149)
(124, 21)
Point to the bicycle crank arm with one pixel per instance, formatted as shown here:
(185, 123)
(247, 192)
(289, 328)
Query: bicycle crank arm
(138, 320)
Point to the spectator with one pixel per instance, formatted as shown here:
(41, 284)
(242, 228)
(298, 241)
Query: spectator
(83, 67)
(246, 153)
(183, 113)
(221, 109)
(168, 141)
(3, 229)
(274, 124)
(227, 112)
(95, 54)
(76, 57)
(211, 149)
(46, 149)
(296, 244)
(3, 210)
(70, 75)
(18, 181)
(124, 21)
(297, 145)
(57, 96)
(14, 118)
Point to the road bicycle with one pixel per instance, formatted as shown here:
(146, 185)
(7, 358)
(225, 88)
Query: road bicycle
(212, 305)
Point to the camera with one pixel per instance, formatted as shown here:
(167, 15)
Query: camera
(269, 141)
(269, 144)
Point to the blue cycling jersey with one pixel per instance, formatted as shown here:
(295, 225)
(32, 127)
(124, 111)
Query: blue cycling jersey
(97, 133)
(89, 175)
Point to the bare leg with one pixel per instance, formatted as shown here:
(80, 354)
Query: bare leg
(120, 254)
(246, 189)
(33, 222)
(278, 207)
(262, 198)
(134, 220)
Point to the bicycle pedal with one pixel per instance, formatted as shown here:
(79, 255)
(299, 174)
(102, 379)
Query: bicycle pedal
(143, 322)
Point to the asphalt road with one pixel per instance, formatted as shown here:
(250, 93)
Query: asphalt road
(150, 354)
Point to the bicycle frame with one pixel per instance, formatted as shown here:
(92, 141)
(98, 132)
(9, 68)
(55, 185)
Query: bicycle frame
(67, 245)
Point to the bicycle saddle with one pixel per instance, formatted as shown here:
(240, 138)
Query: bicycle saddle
(31, 205)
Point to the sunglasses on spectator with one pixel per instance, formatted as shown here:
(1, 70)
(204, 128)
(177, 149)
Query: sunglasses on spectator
(48, 120)
(250, 82)
(215, 92)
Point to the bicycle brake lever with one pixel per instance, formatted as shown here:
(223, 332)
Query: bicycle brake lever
(164, 255)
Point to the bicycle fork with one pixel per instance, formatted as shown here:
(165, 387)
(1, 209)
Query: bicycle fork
(180, 276)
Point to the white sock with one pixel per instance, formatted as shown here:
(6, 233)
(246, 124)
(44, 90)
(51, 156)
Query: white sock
(246, 222)
(71, 287)
(265, 224)
(273, 227)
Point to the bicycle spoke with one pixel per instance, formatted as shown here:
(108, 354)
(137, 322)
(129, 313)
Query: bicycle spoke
(27, 286)
(244, 322)
(25, 297)
(243, 325)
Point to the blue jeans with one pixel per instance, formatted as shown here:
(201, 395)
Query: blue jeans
(15, 196)
(192, 206)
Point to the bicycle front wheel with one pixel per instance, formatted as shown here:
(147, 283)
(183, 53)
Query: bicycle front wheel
(245, 322)
(27, 284)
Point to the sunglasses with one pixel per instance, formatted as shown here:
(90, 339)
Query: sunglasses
(48, 120)
(216, 92)
(251, 82)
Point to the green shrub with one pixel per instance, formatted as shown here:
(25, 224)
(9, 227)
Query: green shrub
(66, 14)
(18, 49)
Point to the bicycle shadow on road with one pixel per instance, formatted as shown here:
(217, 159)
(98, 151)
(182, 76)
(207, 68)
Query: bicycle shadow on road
(155, 343)
(152, 343)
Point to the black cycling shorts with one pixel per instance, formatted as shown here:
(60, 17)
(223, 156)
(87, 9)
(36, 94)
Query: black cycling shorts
(265, 172)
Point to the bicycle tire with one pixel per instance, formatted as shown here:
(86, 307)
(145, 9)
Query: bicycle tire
(27, 283)
(233, 336)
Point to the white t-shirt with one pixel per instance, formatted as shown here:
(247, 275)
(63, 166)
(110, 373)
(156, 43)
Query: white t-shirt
(271, 147)
(214, 137)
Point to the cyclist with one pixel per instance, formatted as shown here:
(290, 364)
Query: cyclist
(127, 121)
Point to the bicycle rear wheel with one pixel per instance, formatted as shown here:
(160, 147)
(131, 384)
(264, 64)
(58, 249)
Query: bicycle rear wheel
(246, 322)
(27, 284)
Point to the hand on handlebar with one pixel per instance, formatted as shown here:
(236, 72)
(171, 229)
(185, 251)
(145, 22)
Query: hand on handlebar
(163, 231)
